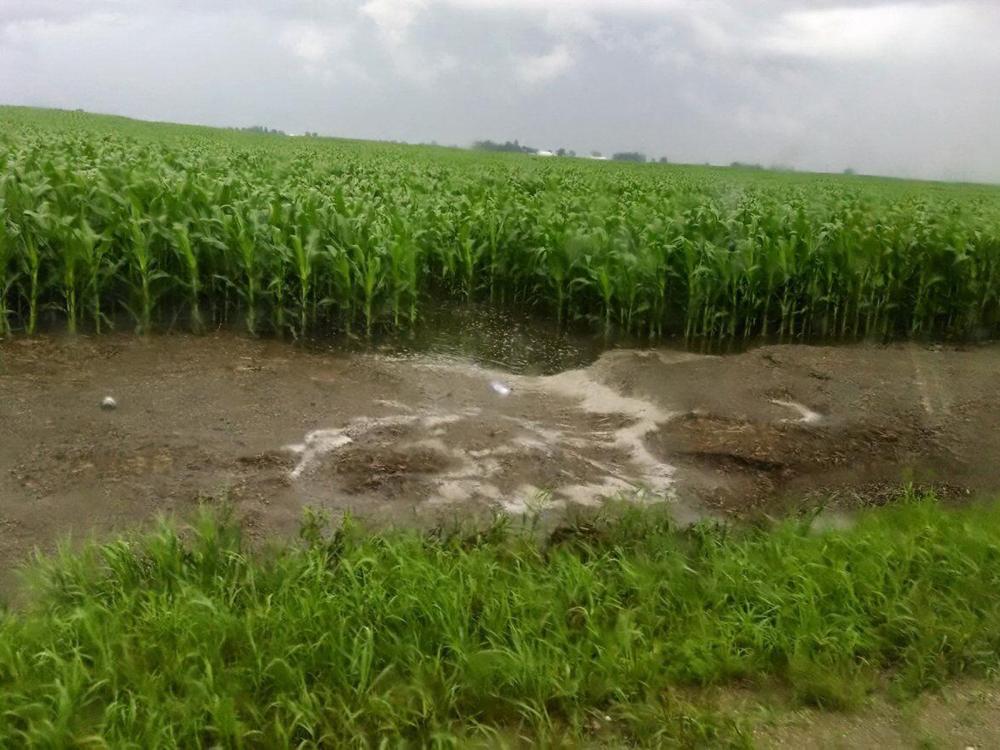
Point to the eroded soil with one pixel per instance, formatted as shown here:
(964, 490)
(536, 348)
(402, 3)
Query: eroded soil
(421, 439)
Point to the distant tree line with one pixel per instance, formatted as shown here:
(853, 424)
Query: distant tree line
(629, 156)
(261, 130)
(506, 146)
(516, 147)
(638, 157)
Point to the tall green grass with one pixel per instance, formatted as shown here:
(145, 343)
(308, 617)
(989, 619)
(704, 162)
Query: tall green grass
(357, 639)
(104, 218)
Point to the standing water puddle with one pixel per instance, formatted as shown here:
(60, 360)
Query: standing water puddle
(492, 338)
(532, 426)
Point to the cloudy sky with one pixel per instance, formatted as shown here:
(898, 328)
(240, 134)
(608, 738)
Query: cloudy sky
(909, 87)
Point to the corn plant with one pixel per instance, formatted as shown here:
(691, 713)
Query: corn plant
(6, 273)
(92, 253)
(242, 237)
(192, 275)
(325, 236)
(305, 256)
(37, 226)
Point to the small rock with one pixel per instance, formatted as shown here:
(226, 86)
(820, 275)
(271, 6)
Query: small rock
(108, 403)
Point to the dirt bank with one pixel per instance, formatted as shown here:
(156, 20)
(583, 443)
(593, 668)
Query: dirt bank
(422, 438)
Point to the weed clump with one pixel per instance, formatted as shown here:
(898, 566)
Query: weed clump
(349, 637)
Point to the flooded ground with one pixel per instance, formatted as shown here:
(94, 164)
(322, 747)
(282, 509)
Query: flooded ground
(399, 436)
(486, 336)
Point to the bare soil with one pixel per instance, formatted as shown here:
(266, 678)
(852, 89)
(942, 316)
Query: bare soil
(959, 717)
(423, 439)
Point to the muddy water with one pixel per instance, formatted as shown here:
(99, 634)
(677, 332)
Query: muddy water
(489, 337)
(422, 437)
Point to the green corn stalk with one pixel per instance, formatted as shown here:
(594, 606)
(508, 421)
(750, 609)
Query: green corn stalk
(247, 261)
(466, 255)
(304, 256)
(192, 276)
(367, 265)
(555, 267)
(341, 283)
(31, 262)
(602, 279)
(93, 250)
(142, 266)
(72, 253)
(495, 231)
(6, 273)
(403, 271)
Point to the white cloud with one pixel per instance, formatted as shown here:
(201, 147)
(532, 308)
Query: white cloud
(768, 123)
(394, 20)
(32, 33)
(858, 33)
(393, 17)
(323, 50)
(539, 69)
(411, 64)
(307, 43)
(650, 6)
(896, 86)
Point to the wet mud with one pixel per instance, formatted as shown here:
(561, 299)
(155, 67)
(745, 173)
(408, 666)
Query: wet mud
(427, 438)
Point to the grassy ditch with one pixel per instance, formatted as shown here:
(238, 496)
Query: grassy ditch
(593, 635)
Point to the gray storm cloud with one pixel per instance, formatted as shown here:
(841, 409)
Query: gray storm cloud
(905, 88)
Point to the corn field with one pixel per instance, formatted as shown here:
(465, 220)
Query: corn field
(109, 222)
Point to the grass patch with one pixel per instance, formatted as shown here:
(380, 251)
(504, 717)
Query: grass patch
(354, 638)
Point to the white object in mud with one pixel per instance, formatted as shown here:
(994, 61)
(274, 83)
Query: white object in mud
(808, 415)
(108, 403)
(317, 444)
(500, 388)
